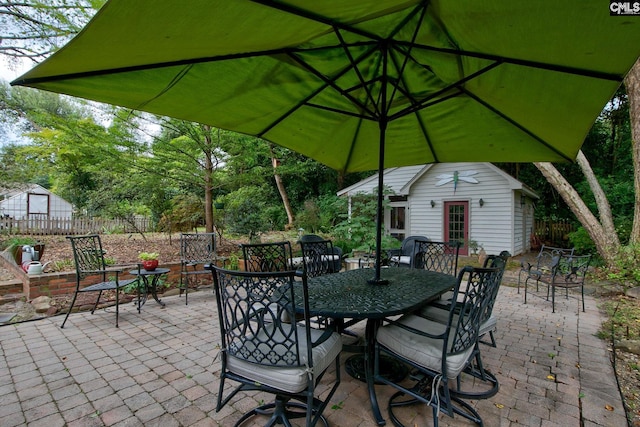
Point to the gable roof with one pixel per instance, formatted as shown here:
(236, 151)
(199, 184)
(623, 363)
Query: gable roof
(400, 180)
(16, 189)
(394, 178)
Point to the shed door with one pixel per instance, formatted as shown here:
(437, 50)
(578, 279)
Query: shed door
(456, 223)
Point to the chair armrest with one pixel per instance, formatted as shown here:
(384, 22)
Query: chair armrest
(328, 331)
(393, 252)
(399, 324)
(525, 266)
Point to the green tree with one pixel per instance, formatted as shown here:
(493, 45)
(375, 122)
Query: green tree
(34, 28)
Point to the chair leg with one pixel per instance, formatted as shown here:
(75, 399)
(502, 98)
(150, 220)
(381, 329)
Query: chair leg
(478, 372)
(281, 410)
(97, 301)
(117, 306)
(73, 301)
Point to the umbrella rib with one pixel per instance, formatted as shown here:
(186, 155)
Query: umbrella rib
(355, 68)
(429, 100)
(351, 146)
(516, 124)
(407, 55)
(305, 101)
(523, 62)
(166, 64)
(339, 111)
(332, 81)
(303, 13)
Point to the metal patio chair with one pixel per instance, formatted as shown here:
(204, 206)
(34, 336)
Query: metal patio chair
(567, 271)
(196, 251)
(263, 353)
(276, 256)
(542, 263)
(436, 256)
(439, 311)
(403, 257)
(437, 353)
(89, 261)
(319, 256)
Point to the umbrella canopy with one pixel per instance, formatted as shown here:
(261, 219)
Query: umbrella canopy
(361, 85)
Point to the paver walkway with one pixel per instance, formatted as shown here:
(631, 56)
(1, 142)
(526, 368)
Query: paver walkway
(160, 369)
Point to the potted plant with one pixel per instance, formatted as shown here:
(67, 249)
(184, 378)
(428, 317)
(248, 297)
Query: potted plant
(149, 260)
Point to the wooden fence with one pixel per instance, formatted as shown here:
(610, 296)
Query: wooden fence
(555, 233)
(81, 225)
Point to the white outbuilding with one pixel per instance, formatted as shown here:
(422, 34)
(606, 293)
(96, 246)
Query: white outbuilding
(33, 202)
(475, 203)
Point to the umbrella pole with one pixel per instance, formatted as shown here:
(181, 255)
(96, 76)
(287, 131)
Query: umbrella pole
(377, 280)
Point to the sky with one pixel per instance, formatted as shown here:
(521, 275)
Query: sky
(9, 72)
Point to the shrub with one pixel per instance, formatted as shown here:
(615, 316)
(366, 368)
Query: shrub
(244, 212)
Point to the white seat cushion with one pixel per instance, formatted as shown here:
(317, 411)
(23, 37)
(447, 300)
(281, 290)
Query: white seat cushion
(403, 259)
(423, 351)
(441, 315)
(290, 379)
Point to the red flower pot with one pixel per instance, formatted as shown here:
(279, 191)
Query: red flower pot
(150, 265)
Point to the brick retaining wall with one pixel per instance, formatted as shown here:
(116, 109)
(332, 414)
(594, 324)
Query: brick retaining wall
(52, 284)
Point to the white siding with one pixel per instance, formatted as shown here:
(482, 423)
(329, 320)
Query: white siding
(500, 224)
(491, 225)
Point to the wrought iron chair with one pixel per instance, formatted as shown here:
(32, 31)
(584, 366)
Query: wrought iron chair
(439, 312)
(437, 352)
(196, 251)
(568, 271)
(275, 256)
(319, 256)
(542, 264)
(89, 261)
(403, 257)
(263, 353)
(436, 256)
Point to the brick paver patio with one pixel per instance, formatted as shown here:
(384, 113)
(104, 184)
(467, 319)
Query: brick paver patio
(160, 368)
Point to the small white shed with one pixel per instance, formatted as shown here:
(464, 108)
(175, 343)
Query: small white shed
(33, 202)
(469, 202)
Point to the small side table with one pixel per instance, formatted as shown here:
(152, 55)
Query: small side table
(150, 282)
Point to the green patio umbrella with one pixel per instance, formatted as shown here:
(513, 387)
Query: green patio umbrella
(361, 84)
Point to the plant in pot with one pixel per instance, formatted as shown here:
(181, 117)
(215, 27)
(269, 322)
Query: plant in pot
(149, 260)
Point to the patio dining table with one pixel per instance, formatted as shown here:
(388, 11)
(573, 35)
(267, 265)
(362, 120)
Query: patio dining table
(350, 295)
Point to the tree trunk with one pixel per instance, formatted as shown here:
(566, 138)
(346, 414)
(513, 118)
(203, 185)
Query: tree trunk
(283, 192)
(632, 83)
(208, 179)
(605, 244)
(604, 208)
